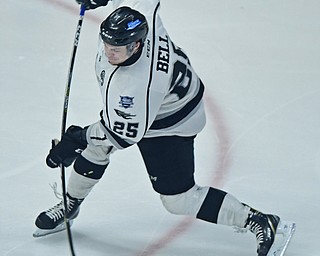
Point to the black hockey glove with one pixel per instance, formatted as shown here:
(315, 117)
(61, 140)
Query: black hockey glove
(92, 4)
(70, 146)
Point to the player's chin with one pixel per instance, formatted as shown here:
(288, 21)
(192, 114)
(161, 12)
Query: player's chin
(114, 61)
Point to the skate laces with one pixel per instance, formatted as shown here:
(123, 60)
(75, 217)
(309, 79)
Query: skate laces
(253, 226)
(57, 212)
(54, 187)
(240, 230)
(256, 229)
(258, 224)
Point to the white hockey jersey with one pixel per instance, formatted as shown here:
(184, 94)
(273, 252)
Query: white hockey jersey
(158, 95)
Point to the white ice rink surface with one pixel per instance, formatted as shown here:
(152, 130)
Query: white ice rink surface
(260, 62)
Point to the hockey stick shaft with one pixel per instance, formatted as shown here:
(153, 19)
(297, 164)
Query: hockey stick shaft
(72, 61)
(64, 123)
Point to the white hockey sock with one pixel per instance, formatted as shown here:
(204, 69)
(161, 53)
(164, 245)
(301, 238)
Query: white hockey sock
(80, 186)
(233, 212)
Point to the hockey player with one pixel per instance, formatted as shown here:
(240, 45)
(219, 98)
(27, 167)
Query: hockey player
(153, 98)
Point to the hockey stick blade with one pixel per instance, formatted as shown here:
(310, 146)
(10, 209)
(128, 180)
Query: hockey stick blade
(284, 235)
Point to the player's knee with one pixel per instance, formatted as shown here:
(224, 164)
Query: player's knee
(187, 203)
(88, 169)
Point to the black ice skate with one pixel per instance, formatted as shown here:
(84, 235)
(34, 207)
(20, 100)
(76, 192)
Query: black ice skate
(52, 220)
(264, 226)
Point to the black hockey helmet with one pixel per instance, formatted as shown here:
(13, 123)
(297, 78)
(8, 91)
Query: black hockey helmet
(124, 26)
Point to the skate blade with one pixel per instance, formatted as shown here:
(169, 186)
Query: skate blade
(44, 232)
(284, 235)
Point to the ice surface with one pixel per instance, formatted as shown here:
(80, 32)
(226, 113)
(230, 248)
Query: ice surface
(260, 63)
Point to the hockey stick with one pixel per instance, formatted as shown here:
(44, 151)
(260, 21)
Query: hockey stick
(64, 121)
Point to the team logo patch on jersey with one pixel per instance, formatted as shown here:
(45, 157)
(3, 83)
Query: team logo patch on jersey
(126, 102)
(124, 114)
